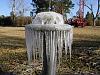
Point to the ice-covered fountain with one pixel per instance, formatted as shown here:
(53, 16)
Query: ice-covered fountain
(45, 39)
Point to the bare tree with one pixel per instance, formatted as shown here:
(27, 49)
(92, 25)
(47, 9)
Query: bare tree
(19, 7)
(12, 13)
(90, 7)
(18, 10)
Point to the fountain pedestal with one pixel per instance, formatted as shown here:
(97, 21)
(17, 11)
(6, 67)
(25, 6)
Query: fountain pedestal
(45, 43)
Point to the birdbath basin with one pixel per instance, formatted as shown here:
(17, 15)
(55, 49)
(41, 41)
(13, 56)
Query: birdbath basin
(45, 39)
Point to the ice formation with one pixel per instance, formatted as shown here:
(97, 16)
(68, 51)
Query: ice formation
(57, 34)
(48, 18)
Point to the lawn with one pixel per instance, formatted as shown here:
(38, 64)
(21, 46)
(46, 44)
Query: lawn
(85, 52)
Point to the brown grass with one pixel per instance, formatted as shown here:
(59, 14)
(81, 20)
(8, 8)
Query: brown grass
(86, 50)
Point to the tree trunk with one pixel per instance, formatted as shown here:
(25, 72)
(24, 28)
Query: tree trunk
(93, 22)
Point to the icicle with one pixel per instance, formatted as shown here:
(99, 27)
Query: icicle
(49, 38)
(33, 37)
(31, 51)
(39, 46)
(46, 38)
(36, 45)
(59, 46)
(71, 36)
(56, 42)
(42, 46)
(61, 43)
(52, 64)
(53, 59)
(39, 43)
(56, 38)
(71, 40)
(65, 33)
(69, 44)
(28, 44)
(51, 53)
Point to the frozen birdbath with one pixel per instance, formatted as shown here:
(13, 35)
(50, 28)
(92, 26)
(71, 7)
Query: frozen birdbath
(45, 38)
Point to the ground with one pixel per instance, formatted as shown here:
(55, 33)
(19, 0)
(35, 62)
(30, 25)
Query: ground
(85, 52)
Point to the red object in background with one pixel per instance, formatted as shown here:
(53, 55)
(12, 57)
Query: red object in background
(77, 22)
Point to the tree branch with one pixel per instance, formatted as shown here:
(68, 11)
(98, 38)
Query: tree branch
(97, 13)
(88, 7)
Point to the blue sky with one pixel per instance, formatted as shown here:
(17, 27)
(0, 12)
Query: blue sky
(76, 7)
(5, 7)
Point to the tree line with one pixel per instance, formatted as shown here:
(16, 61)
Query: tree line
(59, 6)
(89, 18)
(64, 6)
(93, 16)
(18, 21)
